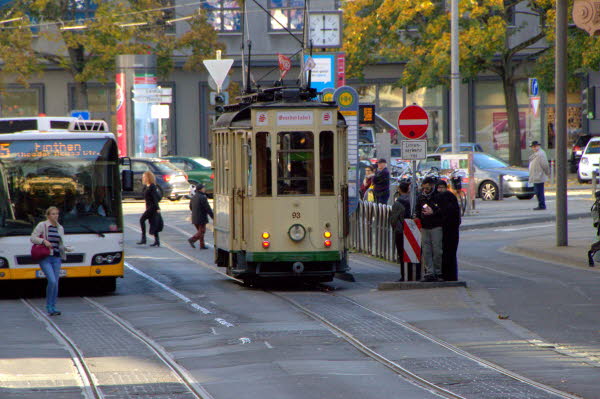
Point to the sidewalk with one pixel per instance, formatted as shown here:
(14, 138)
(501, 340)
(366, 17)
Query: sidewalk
(512, 211)
(544, 248)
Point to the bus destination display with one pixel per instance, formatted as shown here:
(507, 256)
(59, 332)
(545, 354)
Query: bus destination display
(52, 148)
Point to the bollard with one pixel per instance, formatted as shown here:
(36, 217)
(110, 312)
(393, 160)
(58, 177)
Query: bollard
(594, 177)
(500, 187)
(552, 171)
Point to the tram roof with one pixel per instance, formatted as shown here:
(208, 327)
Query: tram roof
(54, 135)
(242, 117)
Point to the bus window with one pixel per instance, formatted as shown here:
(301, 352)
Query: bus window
(263, 164)
(295, 163)
(326, 162)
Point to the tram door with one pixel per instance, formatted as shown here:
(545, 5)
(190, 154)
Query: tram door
(241, 148)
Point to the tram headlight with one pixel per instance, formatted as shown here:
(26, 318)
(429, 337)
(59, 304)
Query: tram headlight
(107, 258)
(266, 235)
(297, 232)
(327, 234)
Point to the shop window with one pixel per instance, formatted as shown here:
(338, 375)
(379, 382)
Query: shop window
(491, 92)
(289, 13)
(326, 162)
(574, 125)
(390, 96)
(426, 97)
(263, 164)
(295, 163)
(224, 15)
(19, 102)
(367, 93)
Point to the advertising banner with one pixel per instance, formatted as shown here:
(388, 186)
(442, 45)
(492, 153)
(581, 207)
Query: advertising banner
(121, 114)
(146, 127)
(322, 75)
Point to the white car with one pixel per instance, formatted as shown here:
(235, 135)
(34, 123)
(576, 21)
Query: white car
(589, 160)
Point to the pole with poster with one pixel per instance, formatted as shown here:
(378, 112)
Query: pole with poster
(160, 112)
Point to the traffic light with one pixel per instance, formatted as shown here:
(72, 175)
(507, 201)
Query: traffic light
(588, 102)
(219, 102)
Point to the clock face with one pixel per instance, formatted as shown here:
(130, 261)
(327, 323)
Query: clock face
(325, 30)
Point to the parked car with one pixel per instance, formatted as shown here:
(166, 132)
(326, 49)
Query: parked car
(198, 170)
(488, 170)
(171, 181)
(470, 147)
(577, 151)
(589, 160)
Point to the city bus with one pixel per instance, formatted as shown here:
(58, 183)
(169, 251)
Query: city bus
(50, 124)
(79, 174)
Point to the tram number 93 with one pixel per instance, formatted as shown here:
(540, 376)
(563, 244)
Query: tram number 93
(296, 215)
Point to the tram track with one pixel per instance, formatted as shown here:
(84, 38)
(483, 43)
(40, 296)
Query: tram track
(93, 388)
(478, 365)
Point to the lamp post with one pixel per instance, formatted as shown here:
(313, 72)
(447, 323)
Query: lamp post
(454, 78)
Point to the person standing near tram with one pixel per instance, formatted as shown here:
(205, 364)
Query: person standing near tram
(381, 182)
(51, 234)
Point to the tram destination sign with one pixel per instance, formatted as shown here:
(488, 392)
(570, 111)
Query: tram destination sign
(414, 149)
(69, 148)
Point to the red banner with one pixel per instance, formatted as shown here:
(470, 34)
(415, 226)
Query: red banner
(121, 114)
(340, 70)
(285, 64)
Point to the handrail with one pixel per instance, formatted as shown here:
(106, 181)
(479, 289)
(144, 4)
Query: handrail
(370, 230)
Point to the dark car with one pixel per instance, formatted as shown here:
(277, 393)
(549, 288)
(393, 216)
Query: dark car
(171, 181)
(198, 170)
(577, 151)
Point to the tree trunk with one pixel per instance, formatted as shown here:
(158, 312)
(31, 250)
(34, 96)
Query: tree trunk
(514, 129)
(80, 96)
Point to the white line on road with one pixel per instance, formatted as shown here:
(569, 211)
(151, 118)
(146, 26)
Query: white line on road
(525, 228)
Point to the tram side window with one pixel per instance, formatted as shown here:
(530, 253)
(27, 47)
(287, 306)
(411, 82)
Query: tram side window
(295, 163)
(326, 151)
(263, 165)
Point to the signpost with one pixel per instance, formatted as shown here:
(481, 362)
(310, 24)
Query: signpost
(347, 99)
(413, 122)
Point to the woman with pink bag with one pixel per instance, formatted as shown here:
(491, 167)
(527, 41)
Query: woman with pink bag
(51, 234)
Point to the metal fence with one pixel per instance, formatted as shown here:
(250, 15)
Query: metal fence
(370, 230)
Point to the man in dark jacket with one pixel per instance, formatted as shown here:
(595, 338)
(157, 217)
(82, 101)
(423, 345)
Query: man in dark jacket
(450, 225)
(381, 183)
(200, 212)
(429, 211)
(400, 211)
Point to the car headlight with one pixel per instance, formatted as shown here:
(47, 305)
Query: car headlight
(510, 178)
(584, 160)
(297, 232)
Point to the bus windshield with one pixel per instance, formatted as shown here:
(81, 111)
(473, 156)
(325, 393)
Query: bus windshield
(79, 176)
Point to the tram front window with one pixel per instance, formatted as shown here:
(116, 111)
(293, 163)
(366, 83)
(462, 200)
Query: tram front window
(80, 177)
(326, 162)
(295, 163)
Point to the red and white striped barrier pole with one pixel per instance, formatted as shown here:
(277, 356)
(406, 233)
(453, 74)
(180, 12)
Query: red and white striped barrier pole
(412, 249)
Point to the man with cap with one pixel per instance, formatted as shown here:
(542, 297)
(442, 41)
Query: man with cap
(200, 212)
(539, 171)
(381, 182)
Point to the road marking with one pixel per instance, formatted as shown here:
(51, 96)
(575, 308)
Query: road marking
(169, 289)
(187, 234)
(524, 228)
(268, 345)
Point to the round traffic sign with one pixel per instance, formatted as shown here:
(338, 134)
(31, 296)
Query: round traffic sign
(413, 122)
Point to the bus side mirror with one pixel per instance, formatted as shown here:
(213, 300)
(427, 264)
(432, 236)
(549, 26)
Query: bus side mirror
(127, 180)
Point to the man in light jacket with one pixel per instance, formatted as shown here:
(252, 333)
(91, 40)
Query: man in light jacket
(539, 171)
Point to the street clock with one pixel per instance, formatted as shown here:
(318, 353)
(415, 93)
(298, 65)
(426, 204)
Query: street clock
(326, 29)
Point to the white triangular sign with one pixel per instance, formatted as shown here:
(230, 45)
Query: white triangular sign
(535, 104)
(218, 70)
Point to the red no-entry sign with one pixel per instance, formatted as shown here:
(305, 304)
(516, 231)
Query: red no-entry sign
(413, 122)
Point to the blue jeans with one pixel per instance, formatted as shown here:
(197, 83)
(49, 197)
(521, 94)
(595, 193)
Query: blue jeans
(51, 267)
(539, 193)
(383, 199)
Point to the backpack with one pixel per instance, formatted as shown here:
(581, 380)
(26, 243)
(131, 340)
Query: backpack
(397, 215)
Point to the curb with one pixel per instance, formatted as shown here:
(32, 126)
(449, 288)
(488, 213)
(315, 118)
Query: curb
(411, 285)
(514, 222)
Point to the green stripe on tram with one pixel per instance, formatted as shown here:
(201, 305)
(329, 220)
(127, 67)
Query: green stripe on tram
(329, 256)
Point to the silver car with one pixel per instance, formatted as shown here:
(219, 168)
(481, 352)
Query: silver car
(488, 170)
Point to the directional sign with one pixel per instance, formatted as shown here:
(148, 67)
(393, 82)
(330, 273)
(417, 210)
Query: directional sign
(534, 88)
(413, 122)
(218, 70)
(153, 99)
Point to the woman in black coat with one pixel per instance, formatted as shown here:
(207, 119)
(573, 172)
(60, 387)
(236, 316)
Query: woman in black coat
(152, 213)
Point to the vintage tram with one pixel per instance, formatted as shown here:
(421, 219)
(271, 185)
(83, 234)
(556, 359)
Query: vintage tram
(281, 192)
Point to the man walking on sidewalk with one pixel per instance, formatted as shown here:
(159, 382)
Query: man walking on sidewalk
(200, 212)
(539, 171)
